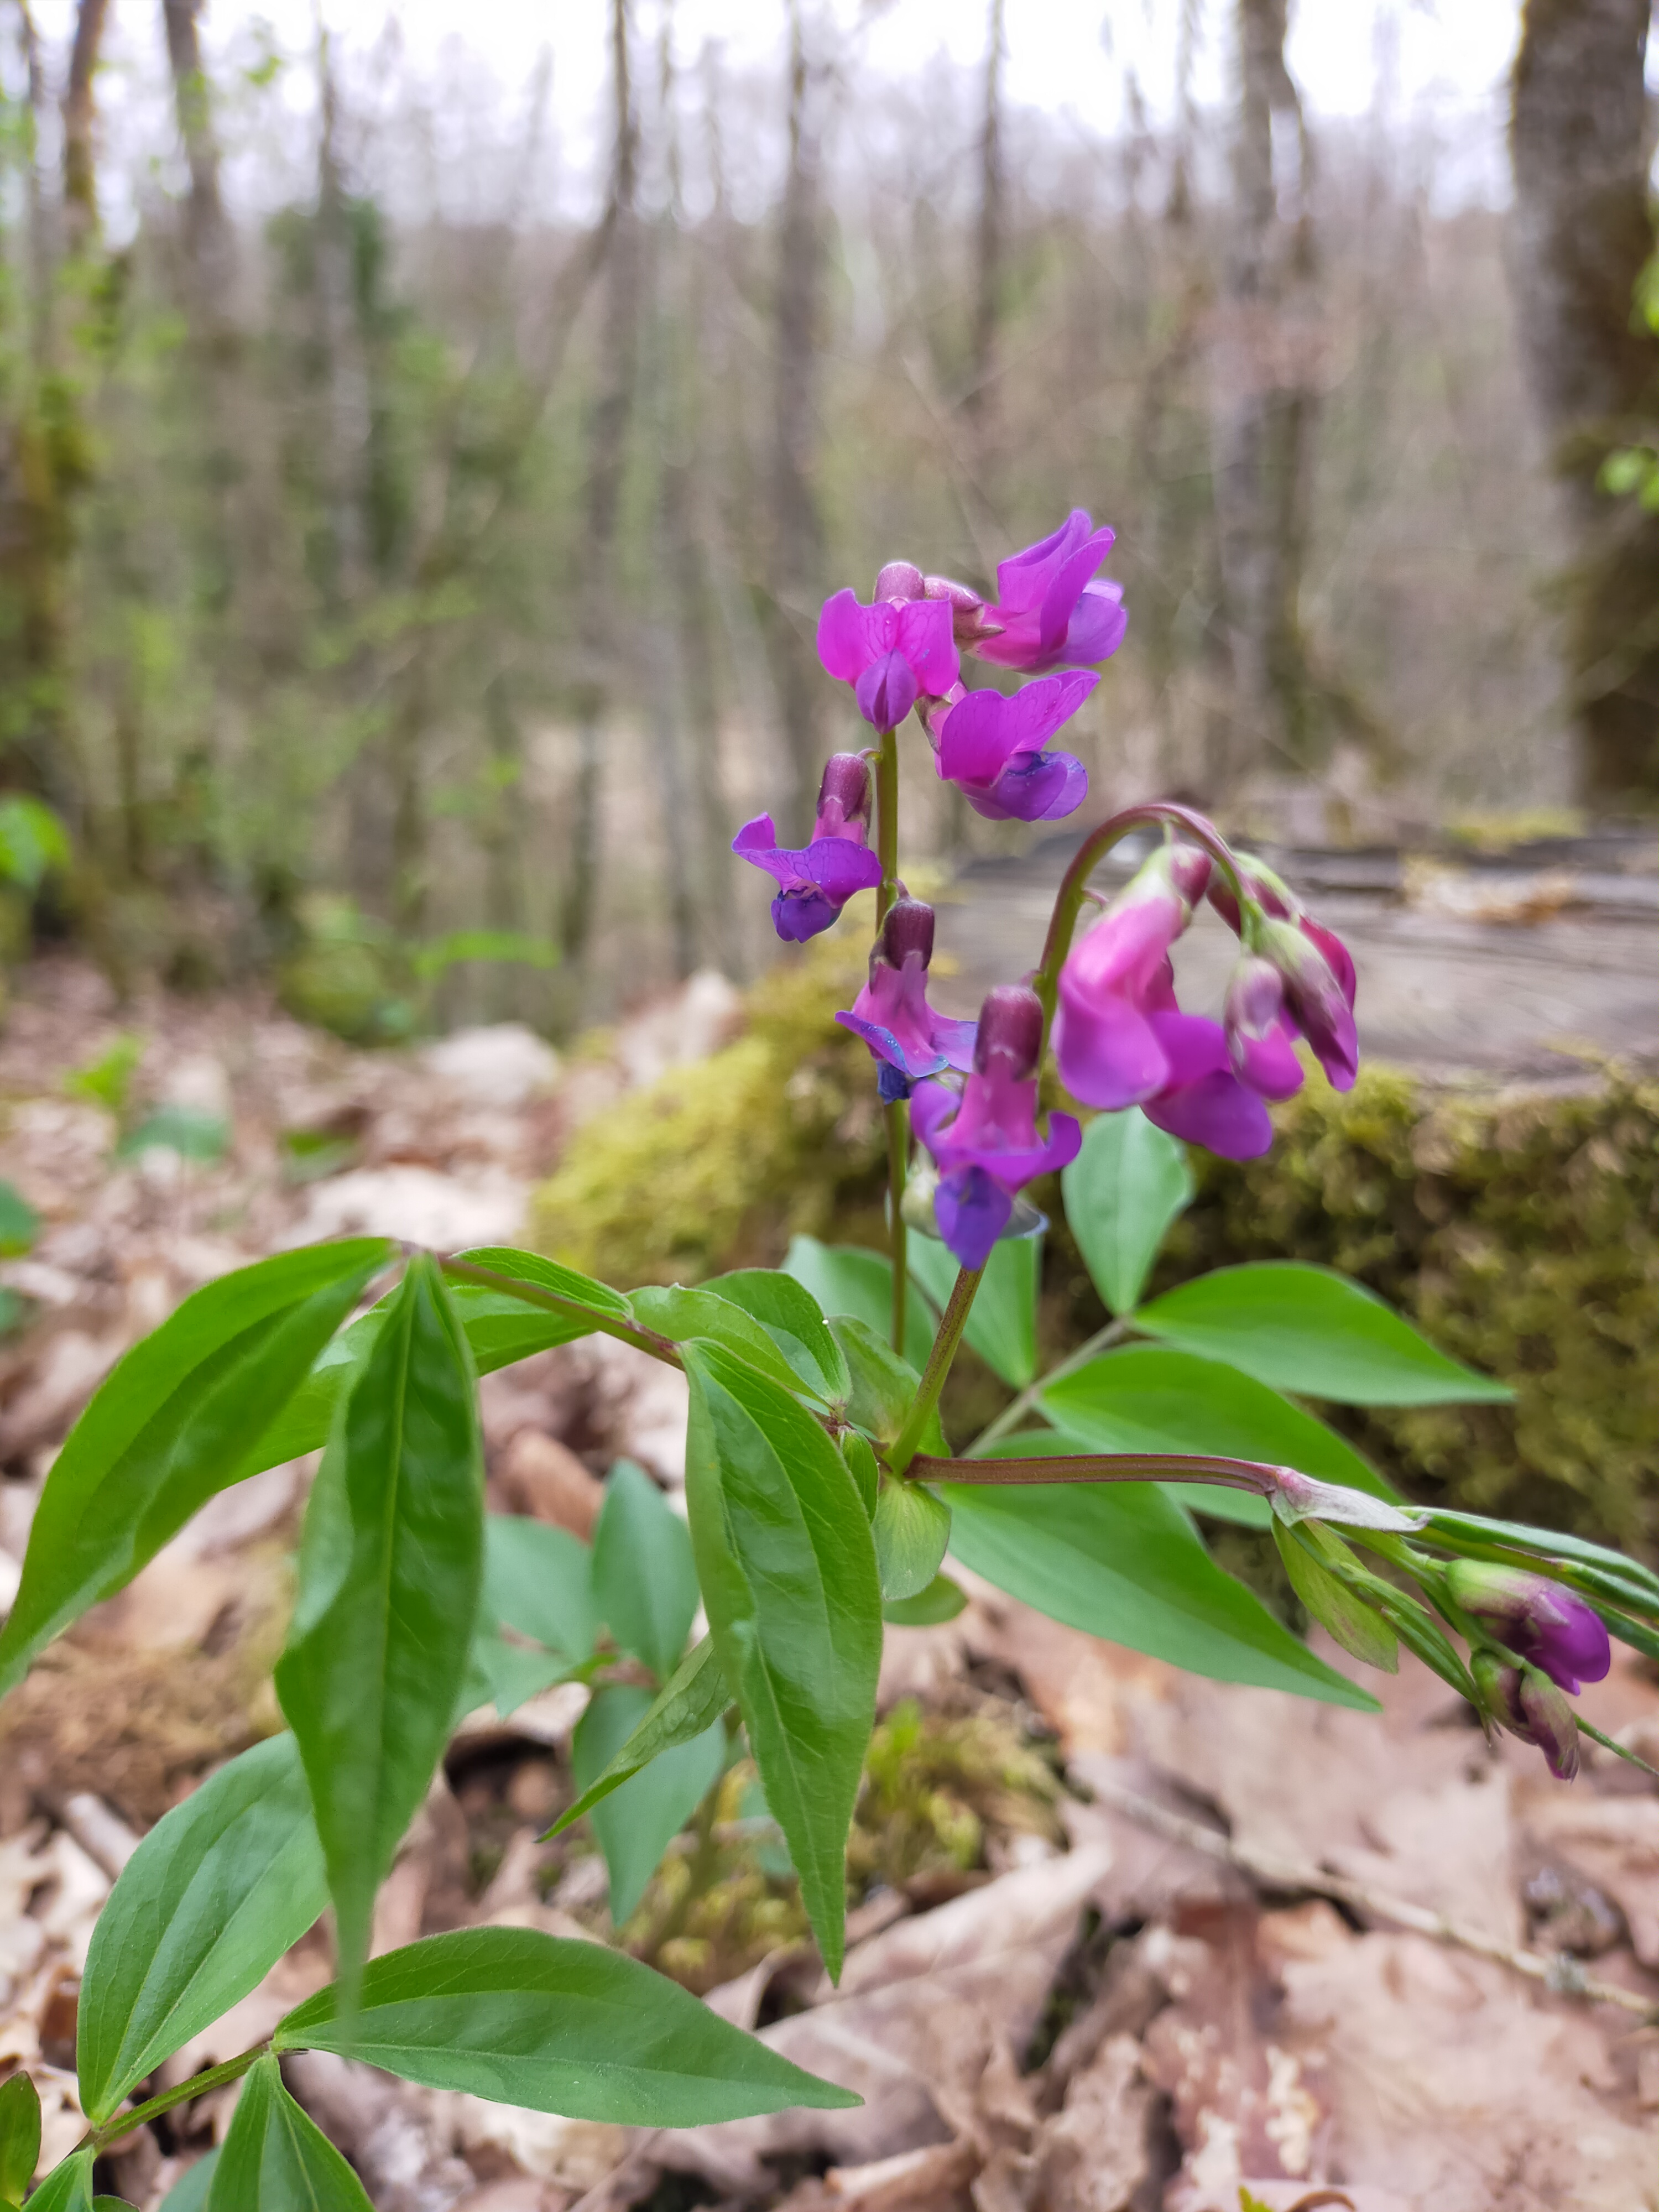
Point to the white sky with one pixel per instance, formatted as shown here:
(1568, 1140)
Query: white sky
(1441, 63)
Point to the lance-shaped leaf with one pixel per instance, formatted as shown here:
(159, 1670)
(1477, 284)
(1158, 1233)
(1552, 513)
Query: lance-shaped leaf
(1002, 1319)
(1119, 1559)
(883, 1385)
(645, 1585)
(1126, 1186)
(190, 2193)
(526, 2018)
(276, 2159)
(1360, 1631)
(179, 1418)
(211, 1899)
(1315, 1332)
(911, 1531)
(788, 1567)
(844, 1279)
(540, 1580)
(791, 1317)
(685, 1709)
(635, 1825)
(390, 1568)
(68, 2187)
(942, 1600)
(681, 1314)
(19, 2136)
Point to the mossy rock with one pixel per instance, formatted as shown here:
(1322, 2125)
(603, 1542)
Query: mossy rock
(1519, 1231)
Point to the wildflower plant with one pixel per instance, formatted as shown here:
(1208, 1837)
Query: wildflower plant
(823, 1497)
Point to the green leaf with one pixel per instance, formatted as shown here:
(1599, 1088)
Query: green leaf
(859, 1455)
(391, 1564)
(913, 1532)
(846, 1280)
(190, 2193)
(635, 1823)
(185, 1130)
(106, 1080)
(507, 1675)
(1149, 1398)
(276, 2159)
(645, 1585)
(544, 1275)
(790, 1314)
(1361, 1632)
(684, 1710)
(525, 2018)
(178, 1418)
(681, 1314)
(19, 1225)
(19, 2136)
(883, 1385)
(1119, 1559)
(1002, 1319)
(1126, 1186)
(67, 2188)
(215, 1895)
(1310, 1330)
(540, 1580)
(788, 1566)
(941, 1601)
(32, 840)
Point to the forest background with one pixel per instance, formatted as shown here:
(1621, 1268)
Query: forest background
(407, 584)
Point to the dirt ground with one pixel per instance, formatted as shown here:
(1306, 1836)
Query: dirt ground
(1197, 1940)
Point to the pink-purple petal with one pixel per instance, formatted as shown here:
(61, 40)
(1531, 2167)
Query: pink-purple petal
(1217, 1112)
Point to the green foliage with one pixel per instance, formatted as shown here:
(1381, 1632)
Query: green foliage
(685, 1709)
(274, 2156)
(32, 842)
(1002, 1319)
(185, 1130)
(934, 1783)
(1128, 1183)
(19, 1225)
(636, 1822)
(645, 1585)
(108, 1080)
(19, 2136)
(912, 1529)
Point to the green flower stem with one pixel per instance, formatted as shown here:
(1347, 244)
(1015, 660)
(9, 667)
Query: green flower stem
(532, 1294)
(887, 823)
(1013, 1414)
(897, 1117)
(1068, 900)
(1101, 1467)
(952, 1322)
(198, 2085)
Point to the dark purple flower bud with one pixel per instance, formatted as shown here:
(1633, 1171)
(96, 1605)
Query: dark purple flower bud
(995, 749)
(1050, 612)
(1530, 1707)
(1010, 1031)
(891, 653)
(1314, 999)
(816, 881)
(985, 1145)
(891, 1013)
(899, 581)
(1259, 1040)
(1536, 1619)
(1281, 903)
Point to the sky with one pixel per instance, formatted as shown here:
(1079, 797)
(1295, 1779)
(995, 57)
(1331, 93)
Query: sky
(1441, 62)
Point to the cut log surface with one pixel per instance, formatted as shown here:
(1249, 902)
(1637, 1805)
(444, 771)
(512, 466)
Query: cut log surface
(1534, 966)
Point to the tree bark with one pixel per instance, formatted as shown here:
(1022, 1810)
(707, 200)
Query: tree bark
(1267, 409)
(80, 160)
(1581, 233)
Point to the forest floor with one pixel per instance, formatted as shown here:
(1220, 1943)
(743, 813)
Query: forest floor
(1128, 1940)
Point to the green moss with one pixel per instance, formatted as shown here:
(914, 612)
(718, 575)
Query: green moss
(1520, 1232)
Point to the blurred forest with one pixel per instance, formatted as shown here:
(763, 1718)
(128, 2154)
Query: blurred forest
(410, 592)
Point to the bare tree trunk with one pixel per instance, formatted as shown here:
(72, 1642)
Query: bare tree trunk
(607, 447)
(797, 533)
(979, 401)
(1581, 233)
(80, 161)
(1266, 408)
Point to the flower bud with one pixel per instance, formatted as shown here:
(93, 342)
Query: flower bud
(899, 581)
(1530, 1707)
(1258, 1043)
(916, 1206)
(844, 794)
(1536, 1619)
(1314, 998)
(909, 928)
(970, 619)
(1010, 1031)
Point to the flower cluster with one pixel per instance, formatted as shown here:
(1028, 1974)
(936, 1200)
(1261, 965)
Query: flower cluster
(1552, 1643)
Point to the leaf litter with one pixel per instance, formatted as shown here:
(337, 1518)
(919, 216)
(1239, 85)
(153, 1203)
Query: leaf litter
(1120, 1940)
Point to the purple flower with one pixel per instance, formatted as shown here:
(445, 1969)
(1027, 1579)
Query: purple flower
(1051, 611)
(892, 1012)
(1536, 1619)
(816, 880)
(986, 1143)
(1261, 1042)
(1121, 1039)
(891, 653)
(970, 618)
(995, 749)
(1531, 1706)
(1315, 969)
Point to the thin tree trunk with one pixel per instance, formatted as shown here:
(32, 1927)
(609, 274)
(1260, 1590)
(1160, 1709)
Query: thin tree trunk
(607, 447)
(80, 159)
(1581, 235)
(979, 401)
(1267, 409)
(797, 532)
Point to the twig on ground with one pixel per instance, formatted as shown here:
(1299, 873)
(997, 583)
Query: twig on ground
(1563, 1973)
